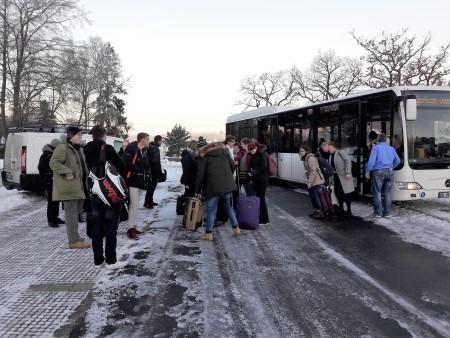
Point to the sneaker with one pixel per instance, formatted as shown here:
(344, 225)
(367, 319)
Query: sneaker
(100, 266)
(79, 245)
(376, 215)
(132, 234)
(148, 206)
(318, 214)
(59, 221)
(116, 265)
(53, 224)
(387, 215)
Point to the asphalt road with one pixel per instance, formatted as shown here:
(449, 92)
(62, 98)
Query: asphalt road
(295, 277)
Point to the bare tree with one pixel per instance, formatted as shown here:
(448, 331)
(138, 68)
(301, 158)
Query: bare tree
(5, 47)
(267, 89)
(397, 59)
(36, 27)
(329, 77)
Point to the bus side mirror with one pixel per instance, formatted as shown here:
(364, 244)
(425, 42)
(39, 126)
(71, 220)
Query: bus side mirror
(411, 109)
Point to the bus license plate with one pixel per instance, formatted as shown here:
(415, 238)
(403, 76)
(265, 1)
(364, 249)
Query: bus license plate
(445, 194)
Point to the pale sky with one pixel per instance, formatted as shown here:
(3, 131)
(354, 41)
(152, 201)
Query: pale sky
(186, 58)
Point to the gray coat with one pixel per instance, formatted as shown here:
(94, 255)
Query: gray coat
(343, 165)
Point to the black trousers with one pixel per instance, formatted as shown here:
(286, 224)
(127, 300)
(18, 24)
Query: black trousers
(340, 195)
(260, 188)
(105, 224)
(52, 206)
(151, 190)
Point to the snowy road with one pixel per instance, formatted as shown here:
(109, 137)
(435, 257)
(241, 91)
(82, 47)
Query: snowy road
(293, 278)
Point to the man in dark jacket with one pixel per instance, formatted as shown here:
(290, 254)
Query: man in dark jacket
(189, 165)
(105, 217)
(46, 174)
(154, 156)
(138, 177)
(215, 181)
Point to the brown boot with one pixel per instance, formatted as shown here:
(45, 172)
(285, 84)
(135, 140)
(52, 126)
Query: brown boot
(236, 231)
(132, 234)
(207, 236)
(79, 245)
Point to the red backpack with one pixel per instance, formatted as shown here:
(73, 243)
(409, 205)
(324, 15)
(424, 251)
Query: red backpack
(272, 166)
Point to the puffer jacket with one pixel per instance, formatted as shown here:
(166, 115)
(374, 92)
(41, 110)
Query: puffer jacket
(313, 172)
(215, 171)
(66, 161)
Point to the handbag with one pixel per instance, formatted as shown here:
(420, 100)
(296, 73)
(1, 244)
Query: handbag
(107, 184)
(162, 177)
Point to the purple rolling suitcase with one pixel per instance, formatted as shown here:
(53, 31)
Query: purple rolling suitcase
(325, 199)
(248, 212)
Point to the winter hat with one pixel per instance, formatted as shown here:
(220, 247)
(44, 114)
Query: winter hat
(201, 142)
(72, 131)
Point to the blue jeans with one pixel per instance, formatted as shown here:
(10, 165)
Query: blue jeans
(382, 183)
(211, 211)
(315, 197)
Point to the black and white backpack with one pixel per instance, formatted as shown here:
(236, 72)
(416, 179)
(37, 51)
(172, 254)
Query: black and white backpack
(107, 184)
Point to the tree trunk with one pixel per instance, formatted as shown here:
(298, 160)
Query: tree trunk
(4, 125)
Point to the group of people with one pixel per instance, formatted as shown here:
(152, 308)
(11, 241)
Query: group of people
(66, 166)
(382, 161)
(220, 171)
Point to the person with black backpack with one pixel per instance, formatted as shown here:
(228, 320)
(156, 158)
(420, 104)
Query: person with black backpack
(105, 217)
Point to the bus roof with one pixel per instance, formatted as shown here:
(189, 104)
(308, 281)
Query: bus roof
(271, 110)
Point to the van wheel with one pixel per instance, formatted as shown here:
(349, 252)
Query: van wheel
(7, 185)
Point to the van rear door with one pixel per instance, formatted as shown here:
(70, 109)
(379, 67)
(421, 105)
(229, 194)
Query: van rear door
(13, 156)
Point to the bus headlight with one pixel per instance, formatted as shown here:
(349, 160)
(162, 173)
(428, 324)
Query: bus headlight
(408, 185)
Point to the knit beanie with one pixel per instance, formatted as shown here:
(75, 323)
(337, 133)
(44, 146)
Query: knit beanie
(201, 142)
(72, 131)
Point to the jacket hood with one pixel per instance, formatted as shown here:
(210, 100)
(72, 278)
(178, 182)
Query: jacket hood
(48, 149)
(211, 149)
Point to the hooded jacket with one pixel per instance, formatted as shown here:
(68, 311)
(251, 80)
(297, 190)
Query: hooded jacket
(215, 171)
(67, 161)
(44, 160)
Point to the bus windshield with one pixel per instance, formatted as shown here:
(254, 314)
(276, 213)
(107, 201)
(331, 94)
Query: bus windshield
(429, 135)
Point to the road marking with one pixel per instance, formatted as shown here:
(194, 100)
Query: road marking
(440, 326)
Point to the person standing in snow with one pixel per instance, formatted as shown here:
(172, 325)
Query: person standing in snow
(105, 217)
(215, 181)
(259, 174)
(382, 162)
(189, 166)
(138, 177)
(70, 176)
(315, 179)
(342, 177)
(46, 174)
(154, 156)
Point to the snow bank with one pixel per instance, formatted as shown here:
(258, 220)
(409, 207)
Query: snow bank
(11, 199)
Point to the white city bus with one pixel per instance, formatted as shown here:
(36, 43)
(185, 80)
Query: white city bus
(416, 120)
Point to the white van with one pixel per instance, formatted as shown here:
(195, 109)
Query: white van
(22, 153)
